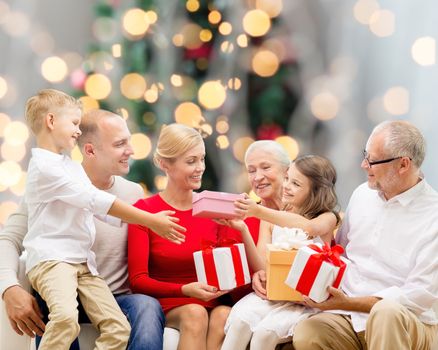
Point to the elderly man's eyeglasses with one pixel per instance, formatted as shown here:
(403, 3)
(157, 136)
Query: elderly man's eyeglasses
(370, 163)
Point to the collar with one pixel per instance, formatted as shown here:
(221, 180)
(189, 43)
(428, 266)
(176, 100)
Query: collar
(406, 197)
(46, 154)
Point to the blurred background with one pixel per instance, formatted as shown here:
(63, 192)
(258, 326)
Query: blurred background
(315, 75)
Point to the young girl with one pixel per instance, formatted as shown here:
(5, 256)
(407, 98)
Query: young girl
(310, 203)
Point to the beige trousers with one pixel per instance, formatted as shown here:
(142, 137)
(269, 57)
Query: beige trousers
(390, 326)
(59, 283)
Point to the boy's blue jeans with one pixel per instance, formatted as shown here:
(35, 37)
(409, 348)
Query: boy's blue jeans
(143, 312)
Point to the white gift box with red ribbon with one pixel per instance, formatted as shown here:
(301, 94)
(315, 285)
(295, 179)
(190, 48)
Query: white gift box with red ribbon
(223, 267)
(315, 268)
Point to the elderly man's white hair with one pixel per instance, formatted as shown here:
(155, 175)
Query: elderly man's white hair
(402, 139)
(272, 147)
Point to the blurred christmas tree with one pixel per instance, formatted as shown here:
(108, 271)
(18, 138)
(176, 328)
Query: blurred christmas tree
(223, 67)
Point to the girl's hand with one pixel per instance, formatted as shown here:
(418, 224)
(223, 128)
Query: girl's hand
(201, 291)
(259, 283)
(246, 207)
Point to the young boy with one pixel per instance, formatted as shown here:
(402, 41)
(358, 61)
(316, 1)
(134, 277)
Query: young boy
(61, 202)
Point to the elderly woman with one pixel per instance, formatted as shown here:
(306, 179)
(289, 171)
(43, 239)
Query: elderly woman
(266, 162)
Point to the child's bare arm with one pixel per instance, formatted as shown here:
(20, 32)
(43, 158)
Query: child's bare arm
(161, 223)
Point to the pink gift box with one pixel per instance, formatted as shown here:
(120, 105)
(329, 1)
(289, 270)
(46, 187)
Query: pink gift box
(215, 205)
(315, 268)
(223, 267)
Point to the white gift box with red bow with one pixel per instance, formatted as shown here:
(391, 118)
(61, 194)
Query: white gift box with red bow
(223, 267)
(315, 268)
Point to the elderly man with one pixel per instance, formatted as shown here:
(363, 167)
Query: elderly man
(390, 235)
(106, 149)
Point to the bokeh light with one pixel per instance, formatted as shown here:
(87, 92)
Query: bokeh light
(396, 100)
(242, 40)
(151, 95)
(189, 113)
(382, 23)
(222, 142)
(152, 16)
(205, 35)
(160, 182)
(222, 125)
(364, 9)
(324, 106)
(10, 173)
(19, 188)
(116, 50)
(256, 23)
(191, 35)
(234, 84)
(133, 86)
(16, 24)
(214, 17)
(88, 103)
(225, 28)
(271, 7)
(192, 5)
(240, 147)
(290, 145)
(13, 153)
(16, 133)
(212, 94)
(54, 69)
(4, 121)
(141, 144)
(98, 86)
(135, 22)
(424, 51)
(265, 63)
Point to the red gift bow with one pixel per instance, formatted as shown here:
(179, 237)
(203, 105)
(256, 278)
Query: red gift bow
(313, 265)
(210, 268)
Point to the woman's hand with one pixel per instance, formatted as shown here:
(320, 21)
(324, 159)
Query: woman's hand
(166, 226)
(202, 291)
(236, 224)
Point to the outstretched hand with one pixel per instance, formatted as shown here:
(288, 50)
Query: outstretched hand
(166, 226)
(245, 207)
(202, 291)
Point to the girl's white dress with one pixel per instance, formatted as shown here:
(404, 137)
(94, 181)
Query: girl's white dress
(277, 316)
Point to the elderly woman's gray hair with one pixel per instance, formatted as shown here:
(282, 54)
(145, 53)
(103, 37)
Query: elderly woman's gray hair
(274, 148)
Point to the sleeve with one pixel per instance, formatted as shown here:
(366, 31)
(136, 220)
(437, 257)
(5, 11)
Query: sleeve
(138, 267)
(11, 247)
(53, 184)
(341, 236)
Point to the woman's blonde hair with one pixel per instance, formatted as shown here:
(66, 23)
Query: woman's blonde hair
(44, 102)
(174, 140)
(322, 176)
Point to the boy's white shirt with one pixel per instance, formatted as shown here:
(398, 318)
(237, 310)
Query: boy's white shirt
(110, 245)
(61, 203)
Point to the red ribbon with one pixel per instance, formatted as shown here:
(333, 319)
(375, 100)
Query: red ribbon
(208, 258)
(313, 265)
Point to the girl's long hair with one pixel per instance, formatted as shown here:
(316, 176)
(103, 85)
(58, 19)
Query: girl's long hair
(322, 176)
